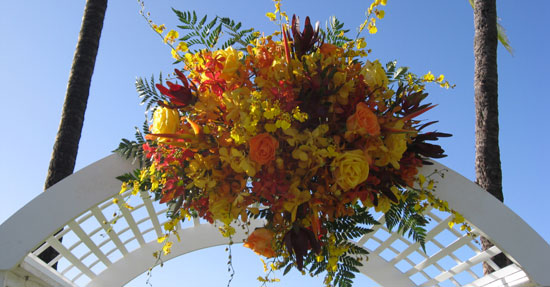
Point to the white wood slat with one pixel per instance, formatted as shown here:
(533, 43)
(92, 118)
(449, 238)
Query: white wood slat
(438, 255)
(38, 268)
(88, 242)
(130, 220)
(55, 260)
(458, 261)
(415, 246)
(476, 259)
(493, 264)
(84, 217)
(387, 243)
(40, 249)
(70, 257)
(497, 276)
(470, 245)
(375, 228)
(109, 230)
(151, 211)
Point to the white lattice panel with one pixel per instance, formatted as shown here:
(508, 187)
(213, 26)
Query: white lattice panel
(95, 251)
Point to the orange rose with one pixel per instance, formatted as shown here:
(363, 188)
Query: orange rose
(364, 121)
(261, 242)
(262, 148)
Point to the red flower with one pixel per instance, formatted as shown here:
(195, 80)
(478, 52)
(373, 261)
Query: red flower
(305, 40)
(179, 95)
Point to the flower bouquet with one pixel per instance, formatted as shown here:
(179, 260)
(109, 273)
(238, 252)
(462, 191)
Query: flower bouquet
(298, 128)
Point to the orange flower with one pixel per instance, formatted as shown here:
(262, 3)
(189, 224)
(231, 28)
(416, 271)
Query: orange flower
(262, 148)
(327, 49)
(261, 242)
(364, 121)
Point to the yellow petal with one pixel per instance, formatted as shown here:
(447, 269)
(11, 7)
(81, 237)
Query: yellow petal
(271, 16)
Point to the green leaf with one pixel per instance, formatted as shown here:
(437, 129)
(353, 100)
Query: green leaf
(287, 269)
(335, 33)
(502, 37)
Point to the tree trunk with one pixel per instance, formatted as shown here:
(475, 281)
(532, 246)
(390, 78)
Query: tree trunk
(488, 168)
(78, 88)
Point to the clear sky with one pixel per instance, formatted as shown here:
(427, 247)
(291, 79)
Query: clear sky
(38, 38)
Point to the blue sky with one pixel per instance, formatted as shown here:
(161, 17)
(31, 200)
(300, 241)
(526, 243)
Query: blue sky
(37, 46)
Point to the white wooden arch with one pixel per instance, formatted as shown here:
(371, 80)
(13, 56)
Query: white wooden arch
(96, 253)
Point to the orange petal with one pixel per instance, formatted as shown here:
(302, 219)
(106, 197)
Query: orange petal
(196, 128)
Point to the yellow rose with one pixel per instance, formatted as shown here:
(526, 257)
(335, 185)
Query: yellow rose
(350, 169)
(165, 121)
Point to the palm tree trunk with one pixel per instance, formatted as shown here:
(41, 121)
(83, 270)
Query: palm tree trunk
(488, 166)
(72, 118)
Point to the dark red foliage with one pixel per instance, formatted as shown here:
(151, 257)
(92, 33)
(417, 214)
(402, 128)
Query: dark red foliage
(298, 241)
(179, 95)
(304, 41)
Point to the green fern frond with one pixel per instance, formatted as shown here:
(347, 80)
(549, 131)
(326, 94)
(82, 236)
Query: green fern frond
(335, 32)
(207, 33)
(148, 93)
(408, 221)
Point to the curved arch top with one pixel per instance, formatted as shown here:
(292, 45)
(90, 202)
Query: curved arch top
(87, 194)
(63, 201)
(495, 220)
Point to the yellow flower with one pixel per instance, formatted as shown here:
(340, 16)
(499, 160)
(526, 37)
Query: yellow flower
(271, 16)
(350, 169)
(171, 37)
(167, 247)
(372, 26)
(123, 187)
(181, 47)
(232, 63)
(375, 74)
(165, 121)
(429, 77)
(159, 28)
(300, 196)
(360, 43)
(220, 209)
(384, 204)
(282, 124)
(397, 145)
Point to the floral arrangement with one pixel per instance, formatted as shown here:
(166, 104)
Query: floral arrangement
(299, 128)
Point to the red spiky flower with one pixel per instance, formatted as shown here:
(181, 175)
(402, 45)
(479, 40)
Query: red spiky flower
(179, 95)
